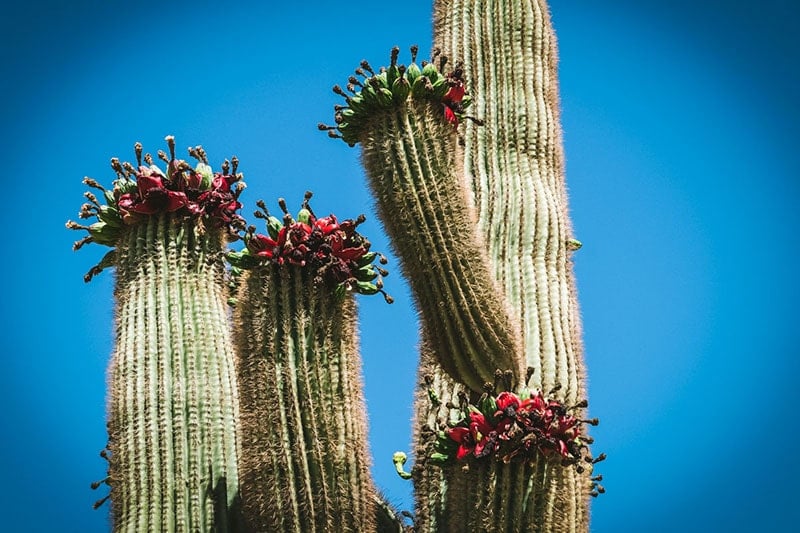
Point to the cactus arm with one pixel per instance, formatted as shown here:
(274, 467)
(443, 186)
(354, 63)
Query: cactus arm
(173, 397)
(173, 400)
(423, 205)
(305, 461)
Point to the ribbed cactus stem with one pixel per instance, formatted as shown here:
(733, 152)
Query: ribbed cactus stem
(409, 155)
(173, 394)
(304, 464)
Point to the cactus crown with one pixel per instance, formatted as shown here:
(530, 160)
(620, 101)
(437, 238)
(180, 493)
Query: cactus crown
(333, 250)
(146, 190)
(516, 428)
(369, 92)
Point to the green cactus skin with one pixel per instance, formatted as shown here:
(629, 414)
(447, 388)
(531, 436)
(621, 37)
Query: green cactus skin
(173, 394)
(423, 203)
(304, 465)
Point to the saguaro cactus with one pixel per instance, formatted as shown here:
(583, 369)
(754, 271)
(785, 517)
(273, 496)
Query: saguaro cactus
(305, 462)
(476, 210)
(483, 234)
(173, 399)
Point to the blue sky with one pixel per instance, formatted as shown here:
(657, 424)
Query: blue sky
(680, 123)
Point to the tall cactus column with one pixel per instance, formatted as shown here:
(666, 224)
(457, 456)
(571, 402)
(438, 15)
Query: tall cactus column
(515, 166)
(305, 461)
(173, 396)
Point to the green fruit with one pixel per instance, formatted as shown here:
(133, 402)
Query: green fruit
(400, 90)
(421, 87)
(304, 216)
(366, 273)
(412, 73)
(488, 406)
(389, 77)
(102, 233)
(207, 173)
(440, 88)
(385, 97)
(367, 288)
(367, 258)
(274, 226)
(437, 458)
(110, 216)
(430, 71)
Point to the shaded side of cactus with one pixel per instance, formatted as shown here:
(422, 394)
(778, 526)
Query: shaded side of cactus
(173, 399)
(305, 462)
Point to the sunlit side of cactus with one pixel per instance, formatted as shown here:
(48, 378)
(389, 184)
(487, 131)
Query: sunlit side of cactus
(483, 234)
(173, 400)
(305, 461)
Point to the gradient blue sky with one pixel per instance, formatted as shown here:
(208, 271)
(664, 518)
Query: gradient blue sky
(680, 122)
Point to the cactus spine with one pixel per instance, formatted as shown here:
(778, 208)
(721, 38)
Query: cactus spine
(304, 464)
(173, 397)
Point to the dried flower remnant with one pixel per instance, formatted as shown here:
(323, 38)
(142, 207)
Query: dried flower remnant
(333, 250)
(369, 93)
(147, 190)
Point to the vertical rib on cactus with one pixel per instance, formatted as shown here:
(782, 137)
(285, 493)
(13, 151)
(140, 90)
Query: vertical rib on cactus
(173, 398)
(305, 461)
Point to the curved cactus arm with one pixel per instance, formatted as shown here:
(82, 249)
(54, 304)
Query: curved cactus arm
(405, 118)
